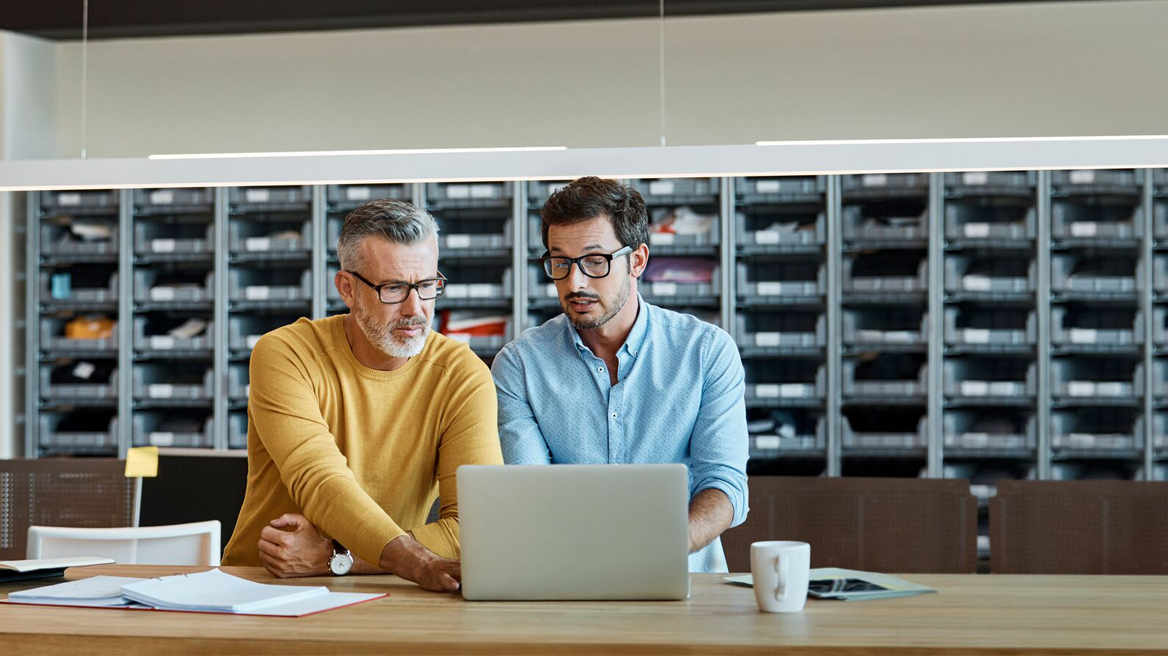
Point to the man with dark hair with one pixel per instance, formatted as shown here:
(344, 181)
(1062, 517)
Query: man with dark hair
(356, 423)
(616, 380)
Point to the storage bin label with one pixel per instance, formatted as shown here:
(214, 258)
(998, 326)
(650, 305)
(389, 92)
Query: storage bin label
(357, 193)
(974, 388)
(767, 442)
(482, 191)
(162, 439)
(458, 241)
(874, 180)
(661, 187)
(661, 238)
(160, 391)
(1082, 177)
(162, 294)
(1084, 229)
(1080, 388)
(770, 288)
(68, 199)
(977, 336)
(252, 340)
(977, 283)
(975, 178)
(257, 244)
(767, 186)
(257, 293)
(767, 339)
(162, 197)
(663, 288)
(977, 230)
(457, 191)
(257, 195)
(161, 342)
(1084, 335)
(481, 290)
(767, 237)
(163, 245)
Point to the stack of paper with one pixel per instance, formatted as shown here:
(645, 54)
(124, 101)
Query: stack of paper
(16, 570)
(850, 584)
(206, 592)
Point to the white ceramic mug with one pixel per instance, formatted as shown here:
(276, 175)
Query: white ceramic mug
(780, 570)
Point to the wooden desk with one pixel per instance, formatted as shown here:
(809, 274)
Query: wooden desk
(973, 614)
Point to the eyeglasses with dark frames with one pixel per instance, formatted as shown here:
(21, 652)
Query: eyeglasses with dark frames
(593, 265)
(392, 293)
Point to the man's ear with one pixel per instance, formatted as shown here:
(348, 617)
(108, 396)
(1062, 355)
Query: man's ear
(344, 283)
(638, 260)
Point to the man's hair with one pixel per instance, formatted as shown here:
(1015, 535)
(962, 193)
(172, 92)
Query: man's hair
(587, 198)
(393, 220)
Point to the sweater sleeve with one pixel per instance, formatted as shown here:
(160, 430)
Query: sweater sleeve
(470, 436)
(285, 409)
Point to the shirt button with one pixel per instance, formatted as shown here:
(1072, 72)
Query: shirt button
(600, 369)
(614, 415)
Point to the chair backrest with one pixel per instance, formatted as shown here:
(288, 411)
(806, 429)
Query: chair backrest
(179, 544)
(77, 492)
(894, 525)
(1079, 527)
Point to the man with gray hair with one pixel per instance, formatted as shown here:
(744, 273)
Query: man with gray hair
(356, 423)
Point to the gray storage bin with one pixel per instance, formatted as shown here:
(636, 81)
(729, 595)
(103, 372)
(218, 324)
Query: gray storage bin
(892, 283)
(769, 446)
(538, 191)
(1160, 440)
(149, 430)
(190, 200)
(1160, 325)
(467, 193)
(451, 244)
(333, 226)
(77, 391)
(778, 189)
(258, 285)
(789, 330)
(781, 232)
(859, 227)
(155, 383)
(884, 440)
(1103, 378)
(677, 293)
(877, 183)
(778, 382)
(479, 290)
(534, 236)
(153, 238)
(53, 339)
(1089, 180)
(664, 240)
(251, 237)
(961, 431)
(1097, 327)
(974, 379)
(344, 198)
(146, 290)
(1072, 220)
(53, 202)
(778, 280)
(885, 327)
(1160, 380)
(1160, 274)
(1096, 429)
(244, 331)
(237, 431)
(854, 388)
(238, 383)
(163, 343)
(259, 199)
(1160, 218)
(55, 242)
(676, 190)
(54, 440)
(990, 326)
(1001, 275)
(1086, 275)
(977, 222)
(108, 293)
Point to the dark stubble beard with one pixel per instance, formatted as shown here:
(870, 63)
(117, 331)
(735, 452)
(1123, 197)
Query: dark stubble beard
(618, 304)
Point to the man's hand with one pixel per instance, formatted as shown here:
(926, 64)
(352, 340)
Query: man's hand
(407, 558)
(290, 546)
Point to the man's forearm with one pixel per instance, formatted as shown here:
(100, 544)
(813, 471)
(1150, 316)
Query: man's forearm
(710, 513)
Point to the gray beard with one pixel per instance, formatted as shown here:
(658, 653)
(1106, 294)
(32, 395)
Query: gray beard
(381, 335)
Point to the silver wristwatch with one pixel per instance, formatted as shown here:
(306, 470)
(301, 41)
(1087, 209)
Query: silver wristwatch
(341, 562)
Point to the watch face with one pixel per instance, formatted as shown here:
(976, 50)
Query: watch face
(340, 564)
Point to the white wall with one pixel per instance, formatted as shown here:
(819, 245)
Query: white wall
(1003, 70)
(27, 130)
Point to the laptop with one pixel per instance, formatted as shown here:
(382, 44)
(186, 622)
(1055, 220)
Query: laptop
(574, 532)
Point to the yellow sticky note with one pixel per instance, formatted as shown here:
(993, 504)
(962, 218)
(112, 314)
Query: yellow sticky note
(142, 461)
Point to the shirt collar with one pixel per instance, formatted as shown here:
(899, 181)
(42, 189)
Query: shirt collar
(636, 337)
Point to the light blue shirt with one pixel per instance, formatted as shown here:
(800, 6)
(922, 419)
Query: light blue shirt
(678, 399)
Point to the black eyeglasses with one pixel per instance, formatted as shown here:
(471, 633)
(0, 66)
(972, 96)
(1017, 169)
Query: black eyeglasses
(392, 293)
(593, 265)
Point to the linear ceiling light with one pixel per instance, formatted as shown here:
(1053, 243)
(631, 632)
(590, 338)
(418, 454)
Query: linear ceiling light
(341, 153)
(870, 142)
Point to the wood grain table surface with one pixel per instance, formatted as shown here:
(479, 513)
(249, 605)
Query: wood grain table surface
(972, 614)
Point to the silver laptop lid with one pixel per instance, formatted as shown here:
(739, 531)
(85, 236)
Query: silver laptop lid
(574, 531)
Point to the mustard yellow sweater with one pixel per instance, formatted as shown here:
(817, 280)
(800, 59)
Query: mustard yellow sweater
(361, 453)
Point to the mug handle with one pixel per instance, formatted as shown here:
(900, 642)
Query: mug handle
(782, 565)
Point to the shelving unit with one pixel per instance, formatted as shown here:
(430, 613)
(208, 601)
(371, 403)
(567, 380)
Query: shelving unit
(980, 325)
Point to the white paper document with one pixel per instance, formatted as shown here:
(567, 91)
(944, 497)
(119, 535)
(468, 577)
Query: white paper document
(215, 591)
(93, 591)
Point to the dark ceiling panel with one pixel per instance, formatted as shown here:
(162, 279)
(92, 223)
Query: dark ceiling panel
(61, 19)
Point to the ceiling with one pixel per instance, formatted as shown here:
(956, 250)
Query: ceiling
(61, 19)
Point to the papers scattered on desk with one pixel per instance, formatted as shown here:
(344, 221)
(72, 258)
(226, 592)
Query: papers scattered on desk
(850, 584)
(213, 591)
(16, 570)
